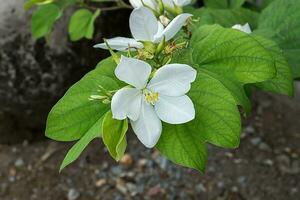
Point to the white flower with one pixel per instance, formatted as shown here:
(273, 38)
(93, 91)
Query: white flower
(153, 4)
(145, 27)
(150, 102)
(244, 28)
(173, 3)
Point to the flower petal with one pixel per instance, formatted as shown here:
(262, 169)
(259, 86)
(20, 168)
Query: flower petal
(121, 44)
(174, 26)
(175, 110)
(138, 3)
(143, 24)
(182, 2)
(244, 28)
(126, 102)
(148, 126)
(168, 3)
(133, 71)
(173, 80)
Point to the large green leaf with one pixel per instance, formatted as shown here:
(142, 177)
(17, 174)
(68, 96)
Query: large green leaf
(74, 114)
(283, 82)
(233, 54)
(236, 88)
(183, 146)
(43, 19)
(82, 24)
(225, 17)
(75, 151)
(114, 135)
(224, 4)
(282, 19)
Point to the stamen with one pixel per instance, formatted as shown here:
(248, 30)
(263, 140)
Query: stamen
(151, 97)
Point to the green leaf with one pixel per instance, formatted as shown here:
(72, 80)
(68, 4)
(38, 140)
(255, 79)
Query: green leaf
(232, 53)
(82, 24)
(282, 19)
(226, 17)
(31, 3)
(77, 149)
(217, 117)
(283, 82)
(183, 146)
(43, 19)
(114, 135)
(224, 4)
(74, 114)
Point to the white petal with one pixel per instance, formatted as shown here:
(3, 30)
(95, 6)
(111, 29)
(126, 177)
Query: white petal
(182, 2)
(160, 28)
(173, 79)
(174, 26)
(148, 126)
(121, 44)
(143, 24)
(168, 3)
(133, 71)
(245, 28)
(175, 110)
(138, 3)
(126, 102)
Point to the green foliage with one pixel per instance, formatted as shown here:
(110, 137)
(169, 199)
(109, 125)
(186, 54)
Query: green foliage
(31, 3)
(223, 4)
(114, 135)
(225, 17)
(74, 115)
(233, 54)
(76, 150)
(281, 21)
(183, 146)
(43, 19)
(82, 24)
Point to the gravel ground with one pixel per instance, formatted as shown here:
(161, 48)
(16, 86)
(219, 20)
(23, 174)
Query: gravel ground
(266, 166)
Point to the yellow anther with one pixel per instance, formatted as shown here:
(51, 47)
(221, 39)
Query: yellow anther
(151, 97)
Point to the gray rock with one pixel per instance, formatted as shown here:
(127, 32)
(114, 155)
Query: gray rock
(73, 194)
(255, 141)
(200, 188)
(19, 162)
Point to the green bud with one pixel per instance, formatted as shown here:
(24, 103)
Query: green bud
(161, 7)
(160, 46)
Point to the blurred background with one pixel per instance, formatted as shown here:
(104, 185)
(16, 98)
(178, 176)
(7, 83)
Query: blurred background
(35, 74)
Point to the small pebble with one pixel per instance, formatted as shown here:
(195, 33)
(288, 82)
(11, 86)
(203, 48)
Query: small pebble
(264, 146)
(73, 194)
(126, 160)
(100, 182)
(155, 190)
(268, 162)
(200, 188)
(19, 162)
(255, 141)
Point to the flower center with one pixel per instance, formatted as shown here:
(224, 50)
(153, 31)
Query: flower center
(150, 97)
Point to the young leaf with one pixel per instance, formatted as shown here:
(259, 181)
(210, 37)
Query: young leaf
(76, 150)
(74, 114)
(282, 19)
(224, 4)
(43, 19)
(114, 135)
(82, 24)
(233, 54)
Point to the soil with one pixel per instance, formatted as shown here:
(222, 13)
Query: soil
(266, 166)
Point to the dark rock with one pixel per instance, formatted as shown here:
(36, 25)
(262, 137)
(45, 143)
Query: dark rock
(34, 74)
